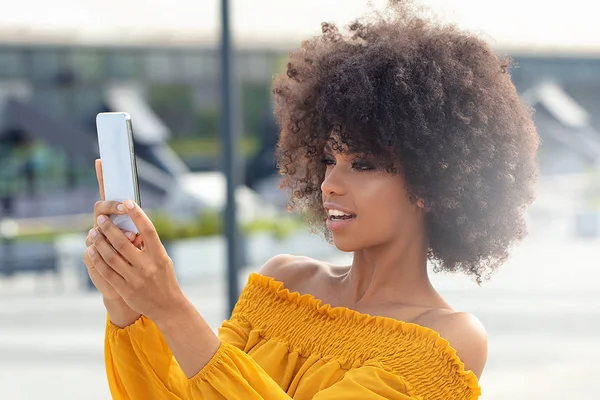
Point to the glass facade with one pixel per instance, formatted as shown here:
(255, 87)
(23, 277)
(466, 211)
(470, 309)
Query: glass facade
(11, 64)
(181, 85)
(88, 65)
(70, 80)
(123, 64)
(45, 65)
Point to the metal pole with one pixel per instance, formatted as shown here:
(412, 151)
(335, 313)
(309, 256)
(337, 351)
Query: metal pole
(230, 157)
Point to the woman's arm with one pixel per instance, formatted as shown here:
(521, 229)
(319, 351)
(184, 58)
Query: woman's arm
(189, 337)
(146, 280)
(120, 313)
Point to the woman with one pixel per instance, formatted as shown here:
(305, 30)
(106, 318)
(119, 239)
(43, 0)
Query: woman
(404, 140)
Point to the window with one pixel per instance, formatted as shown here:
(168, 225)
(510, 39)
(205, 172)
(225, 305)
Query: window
(51, 101)
(160, 67)
(45, 65)
(88, 65)
(87, 103)
(174, 105)
(196, 66)
(255, 105)
(583, 71)
(11, 63)
(254, 67)
(124, 65)
(207, 95)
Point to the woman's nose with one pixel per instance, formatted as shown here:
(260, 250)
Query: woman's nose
(333, 184)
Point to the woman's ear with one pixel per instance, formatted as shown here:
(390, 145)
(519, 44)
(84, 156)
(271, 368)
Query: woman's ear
(421, 203)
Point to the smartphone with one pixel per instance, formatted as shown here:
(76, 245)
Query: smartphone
(119, 168)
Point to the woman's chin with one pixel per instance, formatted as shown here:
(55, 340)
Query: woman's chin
(345, 244)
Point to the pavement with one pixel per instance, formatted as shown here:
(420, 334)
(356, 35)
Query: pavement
(541, 311)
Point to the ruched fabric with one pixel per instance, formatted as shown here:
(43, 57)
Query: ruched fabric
(280, 345)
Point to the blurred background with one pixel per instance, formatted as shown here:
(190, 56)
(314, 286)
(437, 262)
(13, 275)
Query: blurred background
(64, 62)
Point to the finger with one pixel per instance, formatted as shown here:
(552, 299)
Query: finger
(86, 258)
(103, 207)
(131, 236)
(99, 178)
(117, 239)
(138, 241)
(109, 274)
(112, 257)
(144, 225)
(88, 239)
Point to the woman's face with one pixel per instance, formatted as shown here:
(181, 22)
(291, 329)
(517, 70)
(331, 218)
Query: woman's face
(367, 207)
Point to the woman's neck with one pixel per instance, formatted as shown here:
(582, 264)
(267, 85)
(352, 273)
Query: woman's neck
(392, 273)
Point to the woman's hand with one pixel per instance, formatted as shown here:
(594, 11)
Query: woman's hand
(119, 312)
(145, 278)
(102, 207)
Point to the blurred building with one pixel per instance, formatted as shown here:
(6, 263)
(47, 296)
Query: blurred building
(57, 75)
(50, 95)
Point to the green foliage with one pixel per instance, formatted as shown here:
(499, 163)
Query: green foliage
(206, 224)
(208, 122)
(207, 147)
(279, 228)
(211, 224)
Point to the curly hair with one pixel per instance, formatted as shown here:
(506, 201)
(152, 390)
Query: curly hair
(428, 101)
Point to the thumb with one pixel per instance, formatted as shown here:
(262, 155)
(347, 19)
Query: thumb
(99, 178)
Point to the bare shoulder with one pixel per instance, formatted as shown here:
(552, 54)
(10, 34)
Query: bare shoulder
(292, 270)
(467, 335)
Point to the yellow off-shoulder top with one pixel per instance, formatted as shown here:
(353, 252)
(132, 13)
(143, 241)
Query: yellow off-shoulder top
(281, 345)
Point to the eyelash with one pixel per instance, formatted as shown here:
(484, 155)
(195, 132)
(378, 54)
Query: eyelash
(357, 165)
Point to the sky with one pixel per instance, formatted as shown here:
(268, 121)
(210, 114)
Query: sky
(528, 24)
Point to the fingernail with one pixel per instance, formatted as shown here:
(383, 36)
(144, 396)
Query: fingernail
(94, 233)
(101, 219)
(120, 207)
(129, 204)
(91, 251)
(130, 235)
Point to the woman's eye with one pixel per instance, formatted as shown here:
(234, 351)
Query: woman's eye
(327, 161)
(362, 166)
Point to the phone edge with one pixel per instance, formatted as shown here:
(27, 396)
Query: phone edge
(136, 184)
